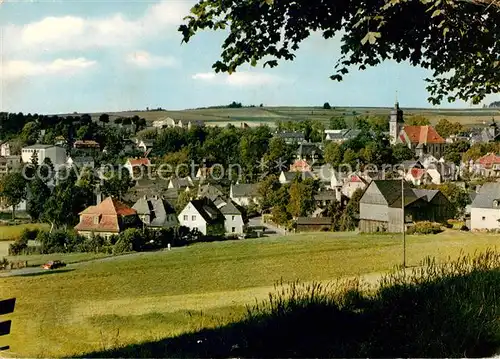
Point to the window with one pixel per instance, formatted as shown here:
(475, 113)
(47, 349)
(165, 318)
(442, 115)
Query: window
(233, 229)
(484, 218)
(96, 219)
(193, 218)
(186, 217)
(233, 217)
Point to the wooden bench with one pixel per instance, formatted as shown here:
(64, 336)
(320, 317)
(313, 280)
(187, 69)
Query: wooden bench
(6, 307)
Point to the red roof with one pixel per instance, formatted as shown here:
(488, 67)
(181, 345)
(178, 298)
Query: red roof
(356, 178)
(300, 166)
(139, 161)
(104, 217)
(489, 159)
(423, 134)
(86, 143)
(417, 172)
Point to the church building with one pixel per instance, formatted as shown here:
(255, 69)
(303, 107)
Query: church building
(422, 140)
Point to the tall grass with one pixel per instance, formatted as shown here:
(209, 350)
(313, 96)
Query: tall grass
(448, 310)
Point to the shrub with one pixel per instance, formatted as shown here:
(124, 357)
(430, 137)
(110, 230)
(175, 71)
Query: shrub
(425, 228)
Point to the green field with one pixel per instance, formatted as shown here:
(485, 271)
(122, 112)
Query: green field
(148, 296)
(8, 233)
(254, 116)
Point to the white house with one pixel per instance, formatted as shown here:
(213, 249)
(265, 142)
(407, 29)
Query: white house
(56, 154)
(203, 215)
(166, 122)
(156, 212)
(353, 182)
(5, 149)
(245, 194)
(485, 209)
(234, 220)
(81, 162)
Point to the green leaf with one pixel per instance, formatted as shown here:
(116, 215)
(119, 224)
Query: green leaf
(436, 12)
(445, 31)
(370, 37)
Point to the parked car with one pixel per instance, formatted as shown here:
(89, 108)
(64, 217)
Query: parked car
(53, 265)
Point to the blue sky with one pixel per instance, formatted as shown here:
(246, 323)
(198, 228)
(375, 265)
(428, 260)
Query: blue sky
(90, 56)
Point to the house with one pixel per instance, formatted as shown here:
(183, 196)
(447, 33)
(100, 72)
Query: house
(86, 145)
(485, 135)
(300, 166)
(56, 154)
(485, 208)
(308, 151)
(144, 145)
(288, 177)
(189, 123)
(341, 136)
(380, 208)
(422, 140)
(325, 198)
(60, 141)
(353, 182)
(488, 165)
(135, 165)
(235, 221)
(203, 173)
(203, 215)
(210, 191)
(313, 224)
(181, 184)
(156, 212)
(324, 174)
(81, 162)
(163, 123)
(245, 194)
(108, 218)
(5, 149)
(9, 163)
(419, 176)
(290, 138)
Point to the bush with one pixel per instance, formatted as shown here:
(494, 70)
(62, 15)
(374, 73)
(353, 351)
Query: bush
(425, 228)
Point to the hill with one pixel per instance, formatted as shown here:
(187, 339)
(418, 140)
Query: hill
(253, 116)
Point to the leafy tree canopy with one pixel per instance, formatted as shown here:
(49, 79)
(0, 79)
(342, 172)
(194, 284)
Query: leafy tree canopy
(458, 40)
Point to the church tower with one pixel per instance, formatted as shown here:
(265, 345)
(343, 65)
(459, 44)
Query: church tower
(395, 123)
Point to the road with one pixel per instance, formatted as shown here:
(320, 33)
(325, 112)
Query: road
(270, 229)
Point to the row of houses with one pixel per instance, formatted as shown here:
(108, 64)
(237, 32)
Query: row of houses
(182, 123)
(209, 217)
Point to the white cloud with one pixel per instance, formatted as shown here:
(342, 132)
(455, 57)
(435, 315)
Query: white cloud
(78, 33)
(18, 69)
(238, 79)
(146, 60)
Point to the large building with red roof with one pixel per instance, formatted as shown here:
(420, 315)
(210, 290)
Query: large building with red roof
(110, 217)
(422, 140)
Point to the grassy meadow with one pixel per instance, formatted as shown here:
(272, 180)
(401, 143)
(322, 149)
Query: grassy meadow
(8, 233)
(98, 305)
(254, 116)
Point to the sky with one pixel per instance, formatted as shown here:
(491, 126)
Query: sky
(98, 56)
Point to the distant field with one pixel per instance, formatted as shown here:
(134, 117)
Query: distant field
(149, 296)
(11, 232)
(268, 115)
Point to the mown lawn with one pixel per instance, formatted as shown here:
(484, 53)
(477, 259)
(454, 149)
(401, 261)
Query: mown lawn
(8, 233)
(149, 296)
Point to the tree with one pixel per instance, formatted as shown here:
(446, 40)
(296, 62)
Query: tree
(38, 195)
(401, 152)
(337, 123)
(326, 106)
(182, 201)
(457, 40)
(454, 151)
(301, 197)
(446, 128)
(30, 133)
(277, 152)
(267, 190)
(417, 121)
(350, 158)
(116, 184)
(333, 154)
(349, 218)
(104, 118)
(13, 190)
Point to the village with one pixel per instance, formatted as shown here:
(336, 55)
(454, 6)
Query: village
(213, 203)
